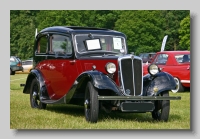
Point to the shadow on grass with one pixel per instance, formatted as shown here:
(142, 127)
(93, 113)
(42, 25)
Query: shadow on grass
(114, 115)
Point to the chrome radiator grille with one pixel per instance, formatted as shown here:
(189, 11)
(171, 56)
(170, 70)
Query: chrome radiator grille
(131, 79)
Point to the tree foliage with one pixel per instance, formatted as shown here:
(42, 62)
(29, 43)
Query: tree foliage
(144, 29)
(184, 32)
(171, 25)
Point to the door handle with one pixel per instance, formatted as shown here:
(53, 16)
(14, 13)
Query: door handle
(73, 61)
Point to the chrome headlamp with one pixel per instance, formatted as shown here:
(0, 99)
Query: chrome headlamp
(153, 69)
(110, 68)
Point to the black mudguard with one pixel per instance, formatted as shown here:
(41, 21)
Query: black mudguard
(99, 80)
(154, 85)
(33, 74)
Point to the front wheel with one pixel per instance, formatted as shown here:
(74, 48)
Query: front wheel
(91, 103)
(162, 108)
(34, 95)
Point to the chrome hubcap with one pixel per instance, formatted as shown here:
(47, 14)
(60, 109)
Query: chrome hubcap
(86, 104)
(34, 95)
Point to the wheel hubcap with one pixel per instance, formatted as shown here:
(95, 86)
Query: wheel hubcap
(86, 103)
(34, 95)
(177, 85)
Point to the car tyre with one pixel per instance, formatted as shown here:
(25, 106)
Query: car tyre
(91, 103)
(34, 95)
(179, 87)
(162, 108)
(12, 72)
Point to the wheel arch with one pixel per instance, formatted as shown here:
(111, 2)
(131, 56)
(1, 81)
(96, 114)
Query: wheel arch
(99, 80)
(33, 74)
(162, 81)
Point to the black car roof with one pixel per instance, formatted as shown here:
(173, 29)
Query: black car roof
(78, 29)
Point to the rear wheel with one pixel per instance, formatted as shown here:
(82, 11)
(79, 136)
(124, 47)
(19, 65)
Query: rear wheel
(162, 108)
(34, 95)
(91, 103)
(12, 72)
(179, 87)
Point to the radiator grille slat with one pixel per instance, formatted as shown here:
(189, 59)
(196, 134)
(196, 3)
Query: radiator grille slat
(131, 76)
(127, 75)
(137, 76)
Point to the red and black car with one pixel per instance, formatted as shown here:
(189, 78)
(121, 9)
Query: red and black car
(91, 67)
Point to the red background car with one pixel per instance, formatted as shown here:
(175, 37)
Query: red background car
(177, 63)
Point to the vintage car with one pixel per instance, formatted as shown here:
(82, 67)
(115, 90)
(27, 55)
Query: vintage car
(91, 67)
(176, 63)
(15, 65)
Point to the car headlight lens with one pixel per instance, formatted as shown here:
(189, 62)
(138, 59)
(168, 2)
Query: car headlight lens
(110, 67)
(153, 69)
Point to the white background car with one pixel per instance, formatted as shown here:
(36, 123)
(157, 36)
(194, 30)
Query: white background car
(27, 65)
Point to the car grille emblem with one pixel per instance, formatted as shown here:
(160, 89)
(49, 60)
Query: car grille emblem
(128, 91)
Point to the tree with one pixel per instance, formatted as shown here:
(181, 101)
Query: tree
(142, 29)
(22, 32)
(171, 25)
(184, 32)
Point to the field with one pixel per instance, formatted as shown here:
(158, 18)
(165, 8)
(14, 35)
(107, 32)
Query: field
(22, 116)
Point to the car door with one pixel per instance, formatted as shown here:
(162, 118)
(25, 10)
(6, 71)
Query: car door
(62, 70)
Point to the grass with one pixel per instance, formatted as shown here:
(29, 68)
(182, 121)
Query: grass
(58, 116)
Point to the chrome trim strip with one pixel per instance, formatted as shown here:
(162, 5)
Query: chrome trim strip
(185, 81)
(132, 58)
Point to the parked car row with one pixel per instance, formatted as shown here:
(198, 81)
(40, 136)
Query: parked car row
(15, 65)
(176, 63)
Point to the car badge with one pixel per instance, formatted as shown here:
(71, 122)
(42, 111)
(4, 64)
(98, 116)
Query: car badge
(155, 89)
(128, 91)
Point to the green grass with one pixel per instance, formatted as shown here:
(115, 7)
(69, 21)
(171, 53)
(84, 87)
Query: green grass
(22, 116)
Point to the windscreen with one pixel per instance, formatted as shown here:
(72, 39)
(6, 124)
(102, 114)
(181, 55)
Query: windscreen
(106, 43)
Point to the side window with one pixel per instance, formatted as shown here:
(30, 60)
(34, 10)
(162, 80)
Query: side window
(145, 56)
(182, 58)
(12, 59)
(42, 45)
(60, 44)
(161, 59)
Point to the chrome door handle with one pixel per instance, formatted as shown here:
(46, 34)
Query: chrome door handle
(73, 61)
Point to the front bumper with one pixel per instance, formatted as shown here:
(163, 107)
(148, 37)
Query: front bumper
(138, 98)
(17, 68)
(137, 103)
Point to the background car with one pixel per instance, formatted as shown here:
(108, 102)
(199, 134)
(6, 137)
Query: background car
(27, 65)
(147, 57)
(177, 63)
(15, 65)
